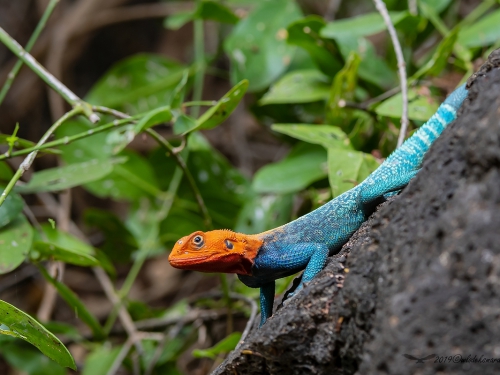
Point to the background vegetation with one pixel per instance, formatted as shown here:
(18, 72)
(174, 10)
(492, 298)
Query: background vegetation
(195, 115)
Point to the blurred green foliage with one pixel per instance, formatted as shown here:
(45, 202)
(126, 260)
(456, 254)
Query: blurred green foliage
(321, 85)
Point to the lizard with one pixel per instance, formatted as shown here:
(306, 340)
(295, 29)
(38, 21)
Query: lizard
(306, 242)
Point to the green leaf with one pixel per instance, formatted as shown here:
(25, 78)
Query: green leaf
(224, 107)
(303, 166)
(119, 243)
(101, 359)
(177, 20)
(211, 10)
(184, 124)
(130, 180)
(180, 91)
(364, 25)
(76, 305)
(68, 176)
(49, 251)
(222, 347)
(257, 45)
(264, 212)
(305, 33)
(26, 359)
(152, 118)
(482, 33)
(16, 323)
(343, 88)
(372, 68)
(10, 208)
(420, 107)
(348, 168)
(439, 58)
(298, 86)
(325, 135)
(437, 5)
(15, 243)
(137, 84)
(66, 240)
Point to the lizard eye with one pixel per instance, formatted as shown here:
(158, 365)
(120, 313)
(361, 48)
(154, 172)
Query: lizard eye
(198, 241)
(229, 244)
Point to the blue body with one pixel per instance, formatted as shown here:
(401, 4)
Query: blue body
(305, 243)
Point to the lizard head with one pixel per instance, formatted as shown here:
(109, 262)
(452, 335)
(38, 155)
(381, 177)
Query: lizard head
(216, 251)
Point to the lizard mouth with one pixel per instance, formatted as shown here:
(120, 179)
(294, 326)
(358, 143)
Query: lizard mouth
(184, 263)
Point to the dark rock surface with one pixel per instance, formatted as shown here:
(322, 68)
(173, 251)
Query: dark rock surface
(421, 277)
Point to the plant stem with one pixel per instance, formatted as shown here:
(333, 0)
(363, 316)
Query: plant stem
(48, 78)
(15, 70)
(26, 164)
(199, 57)
(69, 139)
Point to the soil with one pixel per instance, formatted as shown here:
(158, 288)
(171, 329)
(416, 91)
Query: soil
(421, 278)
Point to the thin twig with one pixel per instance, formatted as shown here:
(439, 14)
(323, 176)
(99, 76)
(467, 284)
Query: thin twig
(41, 24)
(69, 139)
(47, 77)
(412, 7)
(380, 5)
(26, 164)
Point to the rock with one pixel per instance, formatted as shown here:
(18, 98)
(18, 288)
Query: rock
(421, 278)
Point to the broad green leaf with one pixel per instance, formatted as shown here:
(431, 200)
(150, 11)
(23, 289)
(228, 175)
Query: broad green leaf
(64, 329)
(184, 124)
(372, 68)
(206, 10)
(45, 250)
(119, 243)
(16, 323)
(364, 25)
(66, 240)
(305, 33)
(264, 212)
(224, 107)
(68, 176)
(257, 45)
(482, 33)
(10, 208)
(177, 20)
(76, 305)
(101, 359)
(214, 11)
(152, 118)
(130, 180)
(342, 90)
(420, 107)
(440, 57)
(324, 135)
(298, 86)
(437, 5)
(26, 359)
(348, 168)
(303, 166)
(137, 84)
(15, 243)
(120, 138)
(222, 347)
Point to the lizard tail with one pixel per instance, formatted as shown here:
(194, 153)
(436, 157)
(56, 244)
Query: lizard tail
(403, 163)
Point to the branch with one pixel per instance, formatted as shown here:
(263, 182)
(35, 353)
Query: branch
(26, 164)
(48, 78)
(380, 5)
(41, 24)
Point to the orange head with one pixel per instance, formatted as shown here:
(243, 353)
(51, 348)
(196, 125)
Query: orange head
(216, 251)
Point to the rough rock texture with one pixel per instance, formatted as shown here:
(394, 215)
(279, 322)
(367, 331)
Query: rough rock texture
(422, 276)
